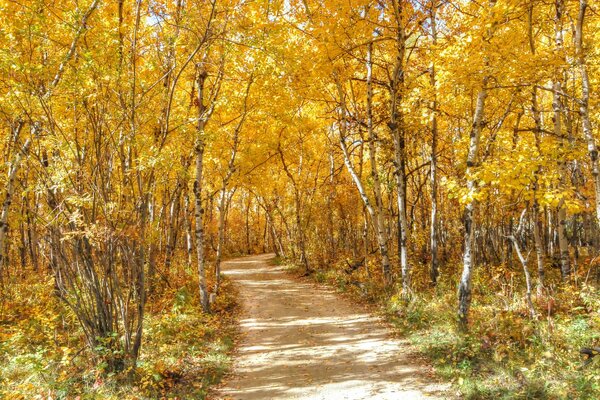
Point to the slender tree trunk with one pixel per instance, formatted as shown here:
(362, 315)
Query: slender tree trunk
(277, 243)
(139, 274)
(563, 245)
(221, 236)
(549, 232)
(376, 219)
(9, 191)
(464, 287)
(539, 247)
(434, 268)
(331, 238)
(300, 228)
(532, 313)
(199, 149)
(288, 231)
(32, 235)
(396, 125)
(173, 227)
(247, 224)
(365, 239)
(584, 103)
(537, 118)
(300, 238)
(379, 209)
(189, 241)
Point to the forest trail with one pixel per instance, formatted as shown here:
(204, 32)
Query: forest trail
(300, 341)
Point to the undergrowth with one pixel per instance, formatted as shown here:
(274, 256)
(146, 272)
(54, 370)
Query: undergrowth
(184, 352)
(505, 354)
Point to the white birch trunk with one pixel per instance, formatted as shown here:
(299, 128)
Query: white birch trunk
(379, 210)
(563, 245)
(199, 211)
(434, 268)
(9, 190)
(584, 104)
(537, 117)
(464, 287)
(396, 125)
(375, 214)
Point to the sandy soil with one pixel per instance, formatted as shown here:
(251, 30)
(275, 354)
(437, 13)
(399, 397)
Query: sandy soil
(301, 341)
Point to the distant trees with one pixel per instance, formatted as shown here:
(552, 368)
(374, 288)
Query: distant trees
(464, 117)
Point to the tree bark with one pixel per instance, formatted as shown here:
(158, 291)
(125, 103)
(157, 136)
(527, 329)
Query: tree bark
(203, 115)
(464, 287)
(300, 239)
(434, 268)
(396, 125)
(10, 189)
(584, 103)
(563, 244)
(374, 212)
(537, 119)
(372, 140)
(531, 308)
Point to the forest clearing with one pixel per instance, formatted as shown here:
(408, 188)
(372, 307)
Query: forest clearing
(273, 199)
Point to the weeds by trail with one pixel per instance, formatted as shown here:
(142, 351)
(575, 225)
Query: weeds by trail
(505, 355)
(42, 354)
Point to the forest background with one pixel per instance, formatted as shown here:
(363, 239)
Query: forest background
(396, 149)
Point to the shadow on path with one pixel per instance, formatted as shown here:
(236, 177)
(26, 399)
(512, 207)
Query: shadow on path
(304, 342)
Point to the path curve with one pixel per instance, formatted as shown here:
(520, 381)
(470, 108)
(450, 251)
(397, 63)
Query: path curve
(300, 341)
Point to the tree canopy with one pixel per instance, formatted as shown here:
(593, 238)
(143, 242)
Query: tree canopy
(416, 142)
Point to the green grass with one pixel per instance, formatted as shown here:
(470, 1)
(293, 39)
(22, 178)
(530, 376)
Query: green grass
(276, 261)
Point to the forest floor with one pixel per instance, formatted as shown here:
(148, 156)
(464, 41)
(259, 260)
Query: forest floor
(303, 341)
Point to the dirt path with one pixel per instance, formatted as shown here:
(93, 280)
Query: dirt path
(300, 341)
